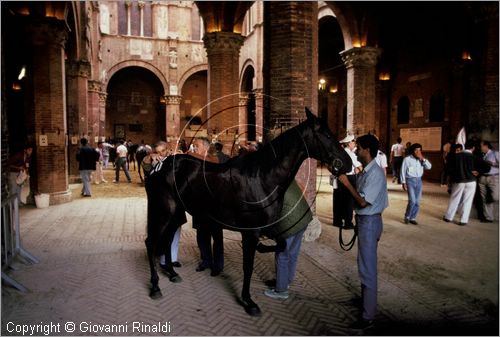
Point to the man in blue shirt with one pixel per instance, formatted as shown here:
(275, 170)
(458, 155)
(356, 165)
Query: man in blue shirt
(371, 199)
(412, 171)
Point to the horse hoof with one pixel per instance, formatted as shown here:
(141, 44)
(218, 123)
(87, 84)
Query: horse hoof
(155, 294)
(175, 279)
(253, 310)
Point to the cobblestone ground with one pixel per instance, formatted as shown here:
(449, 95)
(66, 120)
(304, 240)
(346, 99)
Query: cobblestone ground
(434, 279)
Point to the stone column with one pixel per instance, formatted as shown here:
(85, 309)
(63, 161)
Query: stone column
(243, 118)
(94, 112)
(49, 109)
(172, 117)
(223, 50)
(360, 63)
(259, 114)
(77, 75)
(291, 72)
(102, 115)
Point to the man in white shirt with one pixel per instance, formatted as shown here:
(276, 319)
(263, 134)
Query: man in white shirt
(343, 202)
(396, 159)
(121, 161)
(381, 160)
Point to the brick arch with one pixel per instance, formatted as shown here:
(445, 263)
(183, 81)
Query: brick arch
(135, 63)
(189, 72)
(355, 24)
(246, 65)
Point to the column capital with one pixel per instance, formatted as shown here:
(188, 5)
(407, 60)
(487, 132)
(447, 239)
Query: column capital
(360, 57)
(173, 99)
(243, 100)
(94, 85)
(50, 31)
(141, 4)
(78, 68)
(218, 42)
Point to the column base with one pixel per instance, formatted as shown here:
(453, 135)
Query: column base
(57, 198)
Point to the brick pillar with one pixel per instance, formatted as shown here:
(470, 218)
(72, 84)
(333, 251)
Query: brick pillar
(360, 64)
(172, 117)
(243, 118)
(77, 75)
(223, 50)
(102, 115)
(49, 94)
(259, 114)
(291, 71)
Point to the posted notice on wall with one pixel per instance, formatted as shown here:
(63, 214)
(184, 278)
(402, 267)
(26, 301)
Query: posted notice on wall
(430, 138)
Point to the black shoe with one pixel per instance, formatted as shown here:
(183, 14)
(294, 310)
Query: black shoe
(414, 222)
(163, 267)
(176, 264)
(362, 324)
(462, 223)
(270, 283)
(406, 220)
(215, 272)
(446, 220)
(200, 268)
(486, 220)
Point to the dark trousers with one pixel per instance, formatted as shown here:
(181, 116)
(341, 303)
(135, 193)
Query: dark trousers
(213, 259)
(396, 167)
(343, 203)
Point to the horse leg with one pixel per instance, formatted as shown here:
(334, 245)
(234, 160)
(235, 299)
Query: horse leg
(249, 240)
(155, 291)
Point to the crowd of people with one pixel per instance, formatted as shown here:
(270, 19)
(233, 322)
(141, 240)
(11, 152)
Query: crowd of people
(470, 173)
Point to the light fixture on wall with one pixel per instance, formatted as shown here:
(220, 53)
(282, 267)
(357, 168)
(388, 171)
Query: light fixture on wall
(322, 84)
(22, 73)
(384, 76)
(466, 56)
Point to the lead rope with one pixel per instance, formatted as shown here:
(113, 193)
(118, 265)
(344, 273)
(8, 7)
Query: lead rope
(350, 244)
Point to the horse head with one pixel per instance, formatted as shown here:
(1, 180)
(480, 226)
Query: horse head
(324, 146)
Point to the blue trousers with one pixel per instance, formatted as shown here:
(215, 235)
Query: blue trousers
(414, 190)
(85, 175)
(369, 232)
(286, 261)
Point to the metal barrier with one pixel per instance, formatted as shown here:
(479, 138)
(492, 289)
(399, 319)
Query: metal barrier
(11, 241)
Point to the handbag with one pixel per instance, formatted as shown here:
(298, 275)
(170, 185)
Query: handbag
(21, 177)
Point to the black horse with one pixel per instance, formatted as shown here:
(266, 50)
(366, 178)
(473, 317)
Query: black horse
(244, 194)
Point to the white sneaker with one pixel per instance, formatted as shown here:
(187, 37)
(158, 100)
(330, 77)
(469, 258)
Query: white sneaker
(280, 295)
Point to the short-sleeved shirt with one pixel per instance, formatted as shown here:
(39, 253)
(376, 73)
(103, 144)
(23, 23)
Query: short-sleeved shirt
(372, 186)
(398, 150)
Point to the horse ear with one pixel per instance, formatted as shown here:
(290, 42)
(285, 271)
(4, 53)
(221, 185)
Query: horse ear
(309, 114)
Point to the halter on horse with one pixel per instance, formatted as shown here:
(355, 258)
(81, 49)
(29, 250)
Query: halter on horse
(244, 194)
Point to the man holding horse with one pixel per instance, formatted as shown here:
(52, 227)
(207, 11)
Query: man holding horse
(371, 199)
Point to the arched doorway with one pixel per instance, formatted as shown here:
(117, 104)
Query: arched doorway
(332, 75)
(193, 109)
(135, 107)
(248, 90)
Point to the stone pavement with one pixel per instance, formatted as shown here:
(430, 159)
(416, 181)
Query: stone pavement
(434, 279)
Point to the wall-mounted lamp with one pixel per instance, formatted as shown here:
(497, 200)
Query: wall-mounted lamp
(16, 86)
(322, 84)
(384, 76)
(466, 56)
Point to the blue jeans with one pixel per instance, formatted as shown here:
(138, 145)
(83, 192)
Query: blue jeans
(286, 261)
(121, 162)
(369, 233)
(414, 189)
(85, 174)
